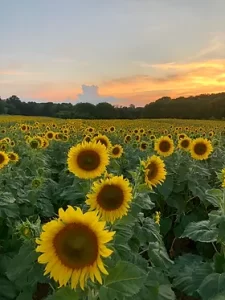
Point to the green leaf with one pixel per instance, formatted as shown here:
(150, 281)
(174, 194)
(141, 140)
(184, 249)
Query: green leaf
(25, 295)
(65, 294)
(157, 287)
(201, 231)
(165, 225)
(158, 255)
(219, 262)
(144, 201)
(8, 206)
(167, 187)
(124, 280)
(188, 273)
(214, 197)
(212, 286)
(7, 289)
(16, 269)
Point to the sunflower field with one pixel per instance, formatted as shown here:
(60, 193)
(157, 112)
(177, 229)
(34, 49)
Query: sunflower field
(112, 210)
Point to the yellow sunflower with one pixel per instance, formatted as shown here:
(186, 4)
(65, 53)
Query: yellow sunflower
(88, 160)
(143, 146)
(155, 171)
(110, 197)
(13, 157)
(50, 135)
(184, 144)
(164, 146)
(104, 140)
(201, 148)
(116, 151)
(4, 159)
(72, 247)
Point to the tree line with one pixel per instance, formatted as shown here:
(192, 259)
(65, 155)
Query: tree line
(204, 106)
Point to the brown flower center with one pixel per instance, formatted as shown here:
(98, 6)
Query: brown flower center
(110, 197)
(76, 246)
(88, 160)
(200, 148)
(152, 170)
(185, 143)
(164, 146)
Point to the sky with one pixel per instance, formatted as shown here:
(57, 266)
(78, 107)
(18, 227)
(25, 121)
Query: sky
(120, 51)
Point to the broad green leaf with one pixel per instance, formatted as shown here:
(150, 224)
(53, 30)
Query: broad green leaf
(214, 197)
(28, 256)
(157, 287)
(158, 255)
(167, 187)
(201, 231)
(144, 201)
(188, 273)
(7, 289)
(212, 286)
(219, 262)
(8, 206)
(65, 294)
(165, 225)
(25, 295)
(124, 280)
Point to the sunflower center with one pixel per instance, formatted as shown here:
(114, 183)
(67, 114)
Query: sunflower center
(50, 135)
(116, 150)
(164, 146)
(143, 146)
(152, 171)
(200, 148)
(76, 245)
(185, 143)
(88, 160)
(110, 197)
(2, 158)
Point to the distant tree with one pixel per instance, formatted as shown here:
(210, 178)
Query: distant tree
(204, 106)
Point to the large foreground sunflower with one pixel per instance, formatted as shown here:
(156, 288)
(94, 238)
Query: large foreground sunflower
(201, 148)
(110, 197)
(88, 160)
(164, 146)
(72, 247)
(155, 172)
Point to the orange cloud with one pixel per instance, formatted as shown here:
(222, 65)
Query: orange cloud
(186, 79)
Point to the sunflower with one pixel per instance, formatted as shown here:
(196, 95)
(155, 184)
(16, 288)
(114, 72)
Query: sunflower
(104, 140)
(50, 135)
(110, 197)
(201, 148)
(164, 146)
(45, 143)
(143, 146)
(88, 160)
(13, 157)
(155, 172)
(184, 144)
(116, 151)
(72, 247)
(4, 159)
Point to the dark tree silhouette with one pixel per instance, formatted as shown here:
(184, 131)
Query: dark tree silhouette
(205, 106)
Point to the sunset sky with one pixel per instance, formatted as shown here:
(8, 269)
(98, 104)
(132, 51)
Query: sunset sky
(119, 51)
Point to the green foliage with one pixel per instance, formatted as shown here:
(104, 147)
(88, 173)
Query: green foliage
(124, 280)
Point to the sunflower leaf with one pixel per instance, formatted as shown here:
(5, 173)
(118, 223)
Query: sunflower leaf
(201, 231)
(124, 280)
